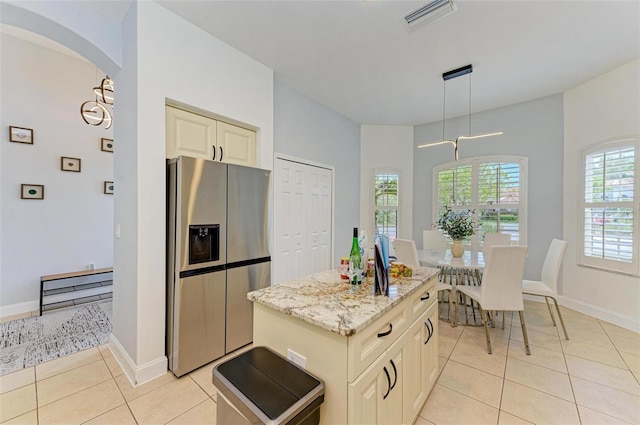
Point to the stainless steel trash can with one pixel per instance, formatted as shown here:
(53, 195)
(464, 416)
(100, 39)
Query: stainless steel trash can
(261, 387)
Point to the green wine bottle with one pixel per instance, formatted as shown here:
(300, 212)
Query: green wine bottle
(355, 260)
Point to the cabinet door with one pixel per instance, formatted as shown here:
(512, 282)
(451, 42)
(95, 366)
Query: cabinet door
(376, 396)
(189, 134)
(236, 145)
(430, 353)
(421, 362)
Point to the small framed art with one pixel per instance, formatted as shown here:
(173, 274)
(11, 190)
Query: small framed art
(108, 188)
(21, 135)
(31, 191)
(106, 145)
(70, 164)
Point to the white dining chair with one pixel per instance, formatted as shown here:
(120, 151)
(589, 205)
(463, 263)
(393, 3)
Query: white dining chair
(547, 287)
(433, 239)
(501, 288)
(493, 239)
(407, 253)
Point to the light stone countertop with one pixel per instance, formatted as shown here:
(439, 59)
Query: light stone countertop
(329, 302)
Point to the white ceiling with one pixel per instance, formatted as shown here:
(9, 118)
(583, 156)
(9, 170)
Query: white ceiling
(358, 59)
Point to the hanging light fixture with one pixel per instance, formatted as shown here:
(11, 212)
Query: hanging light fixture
(94, 112)
(105, 91)
(468, 69)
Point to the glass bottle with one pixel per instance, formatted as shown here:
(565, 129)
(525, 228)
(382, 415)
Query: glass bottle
(355, 260)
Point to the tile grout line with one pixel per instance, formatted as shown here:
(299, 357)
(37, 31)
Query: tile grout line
(504, 373)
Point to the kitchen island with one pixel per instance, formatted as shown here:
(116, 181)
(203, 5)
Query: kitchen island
(377, 355)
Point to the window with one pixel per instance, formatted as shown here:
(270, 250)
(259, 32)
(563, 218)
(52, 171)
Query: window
(492, 186)
(609, 222)
(385, 185)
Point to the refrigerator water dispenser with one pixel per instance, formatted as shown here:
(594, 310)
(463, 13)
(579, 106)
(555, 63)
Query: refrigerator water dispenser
(204, 243)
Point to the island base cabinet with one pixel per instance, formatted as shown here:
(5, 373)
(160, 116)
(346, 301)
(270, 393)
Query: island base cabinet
(395, 387)
(376, 396)
(380, 375)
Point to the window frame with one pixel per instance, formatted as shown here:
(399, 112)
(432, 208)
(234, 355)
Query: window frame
(372, 187)
(611, 265)
(475, 165)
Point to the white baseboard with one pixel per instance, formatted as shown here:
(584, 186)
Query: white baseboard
(19, 308)
(137, 375)
(627, 322)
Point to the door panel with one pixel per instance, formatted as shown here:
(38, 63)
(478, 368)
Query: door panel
(189, 134)
(202, 199)
(248, 197)
(240, 281)
(236, 145)
(199, 313)
(302, 225)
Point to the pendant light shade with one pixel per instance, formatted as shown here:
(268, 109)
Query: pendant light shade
(468, 69)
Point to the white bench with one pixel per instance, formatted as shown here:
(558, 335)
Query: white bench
(68, 289)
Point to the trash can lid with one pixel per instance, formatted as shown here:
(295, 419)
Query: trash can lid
(268, 380)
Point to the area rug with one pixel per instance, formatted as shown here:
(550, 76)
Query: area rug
(34, 340)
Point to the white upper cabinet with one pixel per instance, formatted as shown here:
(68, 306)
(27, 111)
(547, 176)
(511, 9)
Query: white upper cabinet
(197, 136)
(236, 145)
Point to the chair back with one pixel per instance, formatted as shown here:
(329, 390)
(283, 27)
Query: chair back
(492, 239)
(552, 263)
(406, 252)
(501, 287)
(433, 239)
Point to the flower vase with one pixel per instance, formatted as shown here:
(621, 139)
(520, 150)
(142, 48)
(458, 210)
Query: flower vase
(457, 249)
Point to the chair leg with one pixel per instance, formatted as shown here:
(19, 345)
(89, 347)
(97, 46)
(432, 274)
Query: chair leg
(503, 319)
(483, 313)
(524, 333)
(546, 299)
(564, 329)
(452, 319)
(493, 316)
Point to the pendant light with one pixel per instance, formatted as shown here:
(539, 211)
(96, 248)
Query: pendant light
(94, 112)
(468, 69)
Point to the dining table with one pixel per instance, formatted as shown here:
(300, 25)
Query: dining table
(465, 270)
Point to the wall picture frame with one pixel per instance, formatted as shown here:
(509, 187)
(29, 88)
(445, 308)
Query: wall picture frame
(108, 188)
(31, 191)
(20, 135)
(106, 145)
(70, 164)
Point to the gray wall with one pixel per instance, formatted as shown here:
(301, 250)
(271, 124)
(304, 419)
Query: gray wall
(532, 129)
(306, 129)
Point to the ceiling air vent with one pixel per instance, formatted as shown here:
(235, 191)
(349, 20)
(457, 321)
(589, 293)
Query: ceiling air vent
(428, 13)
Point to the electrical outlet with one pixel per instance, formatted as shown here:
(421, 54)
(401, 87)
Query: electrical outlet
(297, 358)
(92, 266)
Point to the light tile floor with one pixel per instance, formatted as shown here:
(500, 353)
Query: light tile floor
(591, 379)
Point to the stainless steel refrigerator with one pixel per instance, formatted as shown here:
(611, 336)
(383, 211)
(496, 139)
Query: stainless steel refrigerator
(217, 251)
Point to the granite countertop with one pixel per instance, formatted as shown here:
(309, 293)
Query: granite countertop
(329, 302)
